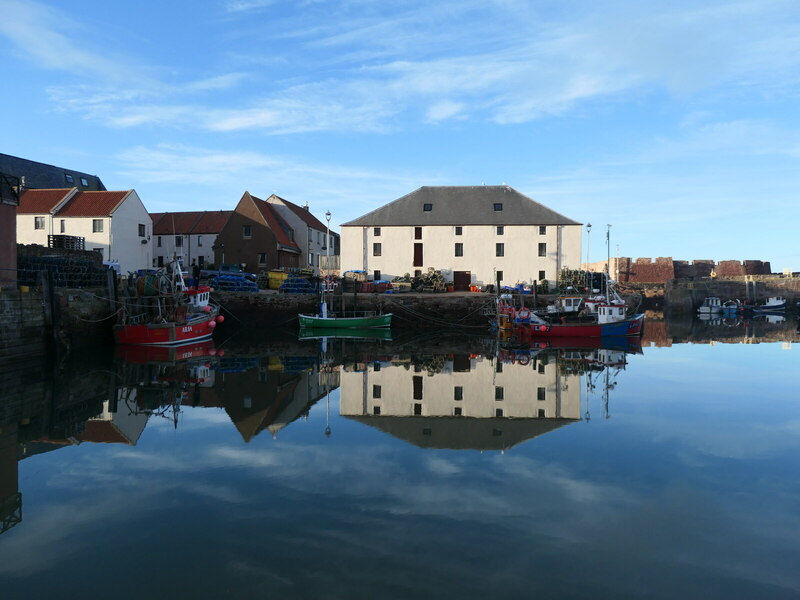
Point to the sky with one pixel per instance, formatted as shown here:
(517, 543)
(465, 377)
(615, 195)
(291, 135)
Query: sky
(675, 122)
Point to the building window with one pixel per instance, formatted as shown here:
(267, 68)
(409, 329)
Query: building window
(541, 276)
(63, 225)
(457, 412)
(500, 230)
(84, 182)
(417, 272)
(542, 230)
(376, 232)
(376, 367)
(499, 249)
(498, 367)
(97, 225)
(427, 207)
(542, 249)
(417, 387)
(376, 275)
(160, 261)
(498, 392)
(417, 233)
(179, 241)
(459, 249)
(458, 392)
(376, 410)
(158, 241)
(376, 249)
(499, 276)
(98, 250)
(540, 394)
(38, 222)
(70, 178)
(311, 258)
(417, 408)
(247, 232)
(459, 230)
(541, 368)
(376, 391)
(262, 258)
(199, 241)
(498, 412)
(541, 414)
(498, 206)
(142, 230)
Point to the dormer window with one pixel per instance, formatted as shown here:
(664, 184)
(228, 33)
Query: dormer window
(84, 182)
(69, 178)
(427, 207)
(498, 206)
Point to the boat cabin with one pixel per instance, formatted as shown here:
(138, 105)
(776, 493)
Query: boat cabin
(566, 304)
(610, 313)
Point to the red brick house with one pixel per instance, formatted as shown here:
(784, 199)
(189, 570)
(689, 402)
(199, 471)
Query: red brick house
(256, 236)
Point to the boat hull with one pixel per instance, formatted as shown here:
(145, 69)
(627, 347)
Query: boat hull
(352, 333)
(313, 322)
(628, 327)
(166, 334)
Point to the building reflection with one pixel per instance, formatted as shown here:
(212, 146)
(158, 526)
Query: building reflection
(481, 401)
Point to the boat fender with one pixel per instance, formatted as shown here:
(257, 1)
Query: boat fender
(523, 313)
(523, 360)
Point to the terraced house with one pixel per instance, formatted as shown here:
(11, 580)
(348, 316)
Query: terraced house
(190, 236)
(476, 235)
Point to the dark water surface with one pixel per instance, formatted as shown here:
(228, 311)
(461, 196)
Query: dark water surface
(437, 467)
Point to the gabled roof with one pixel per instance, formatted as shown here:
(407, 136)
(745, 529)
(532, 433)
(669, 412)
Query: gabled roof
(93, 204)
(462, 205)
(212, 221)
(41, 202)
(189, 223)
(275, 222)
(304, 214)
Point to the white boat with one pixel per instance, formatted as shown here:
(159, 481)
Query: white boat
(773, 304)
(711, 306)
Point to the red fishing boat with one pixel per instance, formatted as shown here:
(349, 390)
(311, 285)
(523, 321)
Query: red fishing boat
(160, 310)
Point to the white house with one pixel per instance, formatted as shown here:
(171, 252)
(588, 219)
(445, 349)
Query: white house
(309, 234)
(475, 235)
(114, 224)
(188, 235)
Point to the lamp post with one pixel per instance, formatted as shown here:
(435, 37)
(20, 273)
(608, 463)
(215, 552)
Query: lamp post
(608, 255)
(328, 243)
(588, 240)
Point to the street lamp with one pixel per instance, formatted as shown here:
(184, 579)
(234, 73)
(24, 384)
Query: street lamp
(588, 269)
(328, 243)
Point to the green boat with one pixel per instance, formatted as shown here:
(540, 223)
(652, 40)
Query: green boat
(355, 322)
(316, 333)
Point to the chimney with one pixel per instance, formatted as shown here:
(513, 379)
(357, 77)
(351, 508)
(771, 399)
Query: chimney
(306, 205)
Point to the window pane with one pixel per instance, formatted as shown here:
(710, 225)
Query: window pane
(500, 250)
(542, 249)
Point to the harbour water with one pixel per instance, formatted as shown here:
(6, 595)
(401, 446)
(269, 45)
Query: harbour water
(433, 466)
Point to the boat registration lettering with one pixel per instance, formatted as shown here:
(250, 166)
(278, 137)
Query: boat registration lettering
(186, 329)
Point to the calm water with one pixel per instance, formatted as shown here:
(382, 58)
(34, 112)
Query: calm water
(436, 467)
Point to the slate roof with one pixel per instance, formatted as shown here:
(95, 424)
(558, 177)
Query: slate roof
(189, 223)
(93, 204)
(304, 214)
(41, 202)
(43, 176)
(275, 222)
(462, 205)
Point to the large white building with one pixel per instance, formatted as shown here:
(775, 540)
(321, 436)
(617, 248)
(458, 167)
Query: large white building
(475, 235)
(114, 224)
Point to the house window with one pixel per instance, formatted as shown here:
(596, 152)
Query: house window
(199, 241)
(417, 233)
(499, 276)
(542, 230)
(376, 232)
(542, 249)
(376, 410)
(417, 387)
(459, 249)
(376, 249)
(376, 276)
(498, 206)
(63, 225)
(498, 412)
(98, 250)
(38, 222)
(458, 392)
(247, 232)
(540, 394)
(499, 250)
(498, 392)
(262, 258)
(541, 276)
(376, 367)
(417, 408)
(311, 258)
(498, 367)
(160, 261)
(457, 412)
(158, 241)
(541, 414)
(541, 368)
(500, 230)
(84, 182)
(179, 241)
(97, 225)
(417, 272)
(70, 178)
(376, 391)
(142, 230)
(459, 230)
(427, 207)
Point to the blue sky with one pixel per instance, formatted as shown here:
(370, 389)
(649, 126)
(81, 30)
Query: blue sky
(676, 122)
